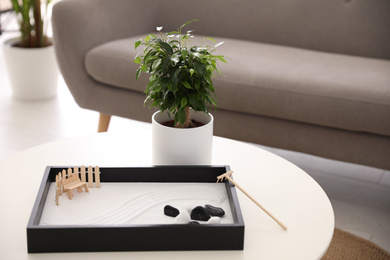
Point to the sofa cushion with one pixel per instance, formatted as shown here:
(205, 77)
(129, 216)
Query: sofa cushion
(326, 89)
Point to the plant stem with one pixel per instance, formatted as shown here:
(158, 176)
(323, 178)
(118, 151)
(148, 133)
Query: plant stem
(187, 123)
(39, 39)
(25, 27)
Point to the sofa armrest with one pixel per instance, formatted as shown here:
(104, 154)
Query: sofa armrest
(79, 26)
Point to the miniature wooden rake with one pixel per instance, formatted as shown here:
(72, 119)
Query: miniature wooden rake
(227, 176)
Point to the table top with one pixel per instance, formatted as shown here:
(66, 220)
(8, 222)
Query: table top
(282, 188)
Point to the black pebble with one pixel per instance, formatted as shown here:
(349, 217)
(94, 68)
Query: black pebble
(215, 211)
(171, 211)
(200, 213)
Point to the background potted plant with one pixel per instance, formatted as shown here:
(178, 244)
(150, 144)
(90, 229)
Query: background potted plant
(30, 58)
(180, 84)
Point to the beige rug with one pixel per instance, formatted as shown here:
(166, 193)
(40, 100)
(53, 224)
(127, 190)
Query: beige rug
(345, 246)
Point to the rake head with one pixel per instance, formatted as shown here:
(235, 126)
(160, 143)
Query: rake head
(224, 176)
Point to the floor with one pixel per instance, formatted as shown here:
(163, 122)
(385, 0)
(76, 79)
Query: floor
(360, 195)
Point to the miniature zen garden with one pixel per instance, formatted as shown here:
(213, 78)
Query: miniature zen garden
(137, 203)
(134, 203)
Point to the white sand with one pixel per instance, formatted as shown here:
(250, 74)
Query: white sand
(133, 203)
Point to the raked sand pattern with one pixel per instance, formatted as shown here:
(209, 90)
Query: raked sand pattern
(133, 203)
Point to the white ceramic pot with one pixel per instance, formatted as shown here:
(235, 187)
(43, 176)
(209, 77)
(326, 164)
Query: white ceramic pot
(33, 72)
(182, 146)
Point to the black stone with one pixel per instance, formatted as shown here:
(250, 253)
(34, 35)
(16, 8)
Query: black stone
(215, 211)
(194, 223)
(200, 213)
(171, 211)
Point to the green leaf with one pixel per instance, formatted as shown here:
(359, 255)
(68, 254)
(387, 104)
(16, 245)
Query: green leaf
(197, 85)
(146, 100)
(149, 55)
(155, 103)
(173, 32)
(187, 85)
(156, 63)
(157, 88)
(200, 68)
(138, 43)
(172, 42)
(211, 87)
(166, 47)
(175, 58)
(139, 70)
(211, 39)
(221, 58)
(165, 63)
(169, 86)
(138, 60)
(164, 82)
(212, 100)
(183, 102)
(151, 85)
(194, 20)
(208, 80)
(180, 116)
(184, 53)
(193, 101)
(176, 78)
(173, 86)
(218, 44)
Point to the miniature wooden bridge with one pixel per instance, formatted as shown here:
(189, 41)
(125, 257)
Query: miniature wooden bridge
(68, 180)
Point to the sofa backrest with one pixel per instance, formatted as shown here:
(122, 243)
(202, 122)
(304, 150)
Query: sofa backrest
(354, 27)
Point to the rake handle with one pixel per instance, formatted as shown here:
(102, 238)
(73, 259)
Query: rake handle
(257, 203)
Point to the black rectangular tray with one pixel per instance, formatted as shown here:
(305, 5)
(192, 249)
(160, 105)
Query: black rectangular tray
(92, 238)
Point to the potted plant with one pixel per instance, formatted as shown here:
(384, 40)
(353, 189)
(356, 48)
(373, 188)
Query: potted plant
(180, 84)
(30, 58)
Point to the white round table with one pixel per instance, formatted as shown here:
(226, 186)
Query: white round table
(282, 188)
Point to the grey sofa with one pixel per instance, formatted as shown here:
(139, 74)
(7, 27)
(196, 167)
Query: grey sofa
(305, 75)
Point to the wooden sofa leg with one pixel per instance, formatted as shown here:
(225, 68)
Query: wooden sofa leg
(104, 121)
